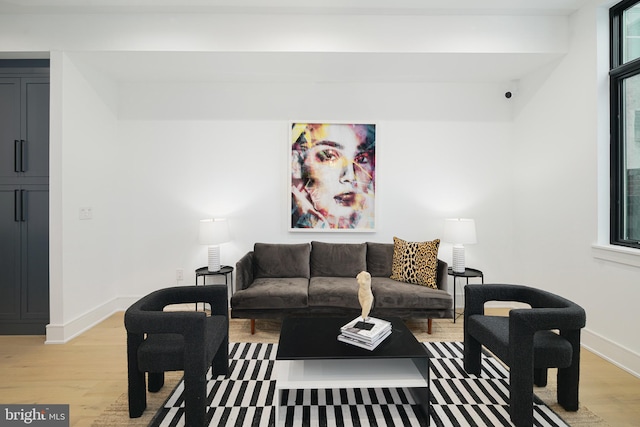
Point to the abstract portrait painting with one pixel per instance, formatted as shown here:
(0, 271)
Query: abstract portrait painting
(333, 176)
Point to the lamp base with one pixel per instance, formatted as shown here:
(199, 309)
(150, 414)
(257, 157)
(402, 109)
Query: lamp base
(214, 258)
(458, 259)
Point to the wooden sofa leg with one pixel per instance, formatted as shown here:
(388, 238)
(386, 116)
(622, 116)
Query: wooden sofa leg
(253, 326)
(429, 324)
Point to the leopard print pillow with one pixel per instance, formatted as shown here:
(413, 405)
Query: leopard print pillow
(415, 262)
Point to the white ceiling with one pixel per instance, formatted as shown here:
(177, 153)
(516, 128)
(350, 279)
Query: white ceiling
(301, 67)
(318, 67)
(562, 7)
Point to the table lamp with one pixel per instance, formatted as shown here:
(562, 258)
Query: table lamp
(459, 231)
(213, 232)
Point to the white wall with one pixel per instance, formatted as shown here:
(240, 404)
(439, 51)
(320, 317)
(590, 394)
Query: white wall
(556, 197)
(164, 155)
(194, 150)
(83, 285)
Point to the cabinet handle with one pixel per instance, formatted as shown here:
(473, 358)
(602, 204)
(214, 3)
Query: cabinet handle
(17, 161)
(16, 205)
(20, 205)
(23, 205)
(23, 155)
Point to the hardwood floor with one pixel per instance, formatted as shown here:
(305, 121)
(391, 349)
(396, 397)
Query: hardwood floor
(610, 392)
(89, 373)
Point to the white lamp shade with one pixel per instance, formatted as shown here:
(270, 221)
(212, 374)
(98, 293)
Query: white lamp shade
(459, 230)
(213, 231)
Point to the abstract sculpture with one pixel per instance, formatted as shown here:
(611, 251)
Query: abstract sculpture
(365, 296)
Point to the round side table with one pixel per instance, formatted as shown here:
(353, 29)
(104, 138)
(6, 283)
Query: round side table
(467, 273)
(225, 270)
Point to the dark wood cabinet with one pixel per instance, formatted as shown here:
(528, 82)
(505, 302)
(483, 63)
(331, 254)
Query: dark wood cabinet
(24, 200)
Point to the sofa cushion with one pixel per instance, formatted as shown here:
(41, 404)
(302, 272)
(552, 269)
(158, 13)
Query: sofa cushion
(281, 260)
(273, 293)
(389, 293)
(379, 259)
(338, 259)
(334, 292)
(415, 262)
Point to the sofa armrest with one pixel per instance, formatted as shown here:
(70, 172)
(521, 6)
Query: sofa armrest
(244, 271)
(441, 275)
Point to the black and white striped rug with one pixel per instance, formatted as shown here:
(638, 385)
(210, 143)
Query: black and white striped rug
(246, 397)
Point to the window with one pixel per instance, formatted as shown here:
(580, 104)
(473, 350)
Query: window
(625, 123)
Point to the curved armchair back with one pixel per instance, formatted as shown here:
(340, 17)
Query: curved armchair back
(554, 311)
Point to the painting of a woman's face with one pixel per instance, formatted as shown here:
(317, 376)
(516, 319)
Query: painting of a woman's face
(339, 172)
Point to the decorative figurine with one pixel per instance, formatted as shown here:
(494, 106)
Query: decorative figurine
(365, 296)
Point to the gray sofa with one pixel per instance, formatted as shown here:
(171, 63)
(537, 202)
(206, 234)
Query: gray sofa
(278, 280)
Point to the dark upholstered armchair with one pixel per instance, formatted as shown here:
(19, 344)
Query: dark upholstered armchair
(527, 342)
(189, 341)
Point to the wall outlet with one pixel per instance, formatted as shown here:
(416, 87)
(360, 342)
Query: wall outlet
(179, 274)
(86, 213)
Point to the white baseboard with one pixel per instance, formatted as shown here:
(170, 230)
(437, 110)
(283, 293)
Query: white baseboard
(612, 352)
(63, 333)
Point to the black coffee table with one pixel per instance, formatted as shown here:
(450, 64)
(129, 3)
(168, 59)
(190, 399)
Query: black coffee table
(310, 356)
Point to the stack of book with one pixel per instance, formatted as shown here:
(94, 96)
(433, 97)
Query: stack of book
(367, 334)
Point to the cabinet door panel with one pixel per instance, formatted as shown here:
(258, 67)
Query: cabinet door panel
(9, 256)
(35, 253)
(9, 125)
(35, 127)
